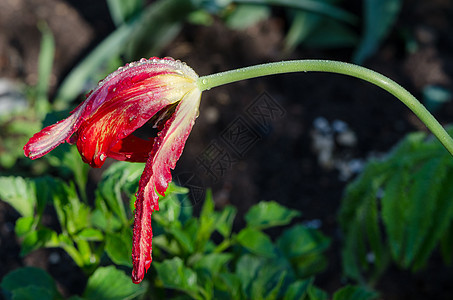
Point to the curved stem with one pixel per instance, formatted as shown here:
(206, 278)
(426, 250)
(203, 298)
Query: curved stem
(214, 80)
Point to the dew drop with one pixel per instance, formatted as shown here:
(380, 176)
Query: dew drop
(102, 157)
(128, 156)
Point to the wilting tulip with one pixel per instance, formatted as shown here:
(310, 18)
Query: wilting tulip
(162, 92)
(166, 93)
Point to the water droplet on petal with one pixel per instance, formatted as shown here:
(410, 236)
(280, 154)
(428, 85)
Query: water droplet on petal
(102, 157)
(128, 156)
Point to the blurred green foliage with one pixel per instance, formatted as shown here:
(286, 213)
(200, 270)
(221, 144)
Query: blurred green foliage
(399, 210)
(200, 257)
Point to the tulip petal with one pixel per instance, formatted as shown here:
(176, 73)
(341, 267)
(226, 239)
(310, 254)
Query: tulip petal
(129, 81)
(168, 147)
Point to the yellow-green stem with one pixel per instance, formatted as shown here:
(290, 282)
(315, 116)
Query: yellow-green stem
(214, 80)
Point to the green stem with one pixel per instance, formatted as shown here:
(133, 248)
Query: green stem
(214, 80)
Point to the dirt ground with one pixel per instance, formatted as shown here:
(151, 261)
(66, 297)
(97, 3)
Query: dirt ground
(281, 158)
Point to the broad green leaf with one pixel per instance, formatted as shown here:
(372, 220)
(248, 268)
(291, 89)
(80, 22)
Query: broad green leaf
(441, 218)
(355, 293)
(246, 269)
(298, 289)
(24, 280)
(175, 275)
(394, 204)
(380, 16)
(118, 246)
(256, 242)
(90, 234)
(427, 184)
(213, 262)
(36, 239)
(19, 193)
(183, 238)
(300, 240)
(111, 284)
(23, 226)
(268, 282)
(371, 224)
(316, 294)
(269, 214)
(232, 284)
(32, 293)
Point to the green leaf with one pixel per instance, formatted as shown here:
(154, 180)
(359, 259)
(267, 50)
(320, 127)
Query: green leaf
(268, 282)
(32, 293)
(119, 178)
(119, 247)
(207, 221)
(110, 283)
(269, 214)
(183, 238)
(175, 275)
(42, 237)
(256, 242)
(225, 219)
(300, 240)
(298, 289)
(232, 284)
(319, 7)
(122, 11)
(441, 219)
(427, 184)
(23, 226)
(90, 234)
(246, 15)
(72, 213)
(317, 294)
(213, 262)
(19, 193)
(380, 16)
(355, 293)
(394, 216)
(21, 282)
(247, 268)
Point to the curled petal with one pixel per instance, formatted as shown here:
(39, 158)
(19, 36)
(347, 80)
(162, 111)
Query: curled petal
(167, 149)
(50, 137)
(156, 82)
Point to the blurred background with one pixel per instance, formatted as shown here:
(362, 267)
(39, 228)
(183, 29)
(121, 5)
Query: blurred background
(325, 126)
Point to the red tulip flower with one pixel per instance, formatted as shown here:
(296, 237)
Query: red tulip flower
(162, 92)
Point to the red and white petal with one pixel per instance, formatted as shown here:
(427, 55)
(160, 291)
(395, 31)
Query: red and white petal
(51, 136)
(168, 147)
(127, 111)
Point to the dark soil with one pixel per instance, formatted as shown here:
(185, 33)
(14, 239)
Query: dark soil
(279, 161)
